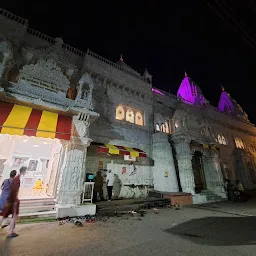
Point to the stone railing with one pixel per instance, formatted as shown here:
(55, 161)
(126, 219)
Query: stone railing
(40, 35)
(73, 50)
(67, 47)
(37, 33)
(13, 17)
(51, 40)
(114, 65)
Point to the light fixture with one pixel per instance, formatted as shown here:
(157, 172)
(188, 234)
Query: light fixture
(25, 140)
(45, 143)
(36, 146)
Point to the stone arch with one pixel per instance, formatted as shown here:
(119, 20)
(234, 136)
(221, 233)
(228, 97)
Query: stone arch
(204, 151)
(130, 115)
(179, 118)
(86, 78)
(139, 118)
(163, 129)
(157, 127)
(120, 112)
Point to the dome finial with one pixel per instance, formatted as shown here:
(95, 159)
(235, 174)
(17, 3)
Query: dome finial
(121, 58)
(186, 75)
(222, 88)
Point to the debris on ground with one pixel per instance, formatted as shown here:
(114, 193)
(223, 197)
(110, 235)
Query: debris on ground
(77, 221)
(176, 206)
(155, 210)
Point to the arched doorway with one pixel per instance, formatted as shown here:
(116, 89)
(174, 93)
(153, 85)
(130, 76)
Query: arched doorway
(198, 170)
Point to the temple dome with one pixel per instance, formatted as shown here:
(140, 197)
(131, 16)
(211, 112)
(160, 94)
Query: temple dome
(189, 92)
(228, 105)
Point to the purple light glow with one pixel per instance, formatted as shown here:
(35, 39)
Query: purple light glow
(157, 91)
(190, 93)
(225, 103)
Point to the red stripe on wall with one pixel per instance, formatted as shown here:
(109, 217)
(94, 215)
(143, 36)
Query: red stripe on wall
(123, 151)
(143, 155)
(63, 129)
(138, 150)
(33, 122)
(5, 110)
(102, 150)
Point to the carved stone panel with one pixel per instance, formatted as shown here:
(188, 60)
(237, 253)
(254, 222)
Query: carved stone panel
(46, 73)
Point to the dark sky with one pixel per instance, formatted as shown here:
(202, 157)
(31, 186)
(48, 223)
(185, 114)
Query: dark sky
(165, 37)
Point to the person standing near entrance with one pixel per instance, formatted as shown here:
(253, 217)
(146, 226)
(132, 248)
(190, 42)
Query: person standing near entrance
(110, 182)
(13, 203)
(98, 187)
(6, 187)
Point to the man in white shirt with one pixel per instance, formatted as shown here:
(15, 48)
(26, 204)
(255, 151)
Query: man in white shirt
(110, 182)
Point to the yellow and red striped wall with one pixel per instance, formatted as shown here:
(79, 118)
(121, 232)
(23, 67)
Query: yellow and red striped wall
(22, 120)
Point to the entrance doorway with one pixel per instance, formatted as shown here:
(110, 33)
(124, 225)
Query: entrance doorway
(41, 157)
(198, 170)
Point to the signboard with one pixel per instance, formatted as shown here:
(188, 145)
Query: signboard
(129, 158)
(100, 165)
(124, 170)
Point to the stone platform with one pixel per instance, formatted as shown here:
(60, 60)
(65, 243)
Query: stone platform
(75, 210)
(180, 198)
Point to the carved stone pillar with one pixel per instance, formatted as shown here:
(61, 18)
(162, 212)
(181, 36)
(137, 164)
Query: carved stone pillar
(184, 158)
(72, 172)
(164, 173)
(218, 181)
(211, 177)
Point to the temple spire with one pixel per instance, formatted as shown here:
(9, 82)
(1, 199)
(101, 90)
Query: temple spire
(121, 58)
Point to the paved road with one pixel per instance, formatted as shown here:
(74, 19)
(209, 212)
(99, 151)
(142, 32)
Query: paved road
(185, 232)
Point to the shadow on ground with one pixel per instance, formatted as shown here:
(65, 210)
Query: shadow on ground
(218, 231)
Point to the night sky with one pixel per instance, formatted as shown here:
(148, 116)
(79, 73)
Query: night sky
(164, 38)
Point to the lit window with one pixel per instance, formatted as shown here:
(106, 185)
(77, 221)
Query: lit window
(167, 128)
(120, 113)
(221, 140)
(163, 128)
(139, 119)
(157, 128)
(129, 116)
(239, 143)
(224, 142)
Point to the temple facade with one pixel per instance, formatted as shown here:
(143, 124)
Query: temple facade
(65, 114)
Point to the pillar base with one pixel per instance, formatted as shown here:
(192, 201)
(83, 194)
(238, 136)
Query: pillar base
(72, 210)
(199, 199)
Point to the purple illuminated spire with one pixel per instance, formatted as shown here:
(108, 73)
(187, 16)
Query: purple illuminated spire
(190, 93)
(226, 103)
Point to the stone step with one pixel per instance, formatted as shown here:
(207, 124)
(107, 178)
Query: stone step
(48, 214)
(37, 202)
(41, 208)
(37, 208)
(211, 196)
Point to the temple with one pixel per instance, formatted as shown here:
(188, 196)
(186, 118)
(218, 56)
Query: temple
(67, 114)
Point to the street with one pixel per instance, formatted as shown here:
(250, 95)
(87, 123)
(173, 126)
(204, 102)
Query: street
(188, 231)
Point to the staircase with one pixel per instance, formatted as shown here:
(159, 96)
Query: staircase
(211, 196)
(37, 208)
